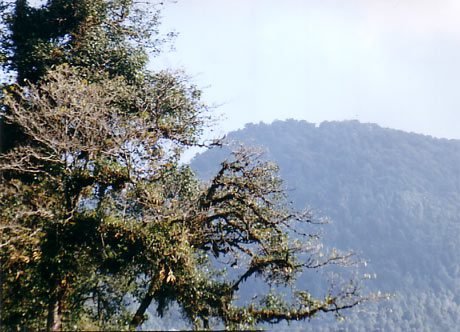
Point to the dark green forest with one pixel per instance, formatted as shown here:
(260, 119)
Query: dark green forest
(390, 196)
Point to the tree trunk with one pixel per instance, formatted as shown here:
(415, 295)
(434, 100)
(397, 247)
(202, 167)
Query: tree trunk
(2, 133)
(138, 318)
(54, 322)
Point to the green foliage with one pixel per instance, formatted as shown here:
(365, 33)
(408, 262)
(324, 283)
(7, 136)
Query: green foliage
(99, 220)
(104, 36)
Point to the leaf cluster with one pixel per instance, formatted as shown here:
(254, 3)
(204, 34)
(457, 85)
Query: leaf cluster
(104, 36)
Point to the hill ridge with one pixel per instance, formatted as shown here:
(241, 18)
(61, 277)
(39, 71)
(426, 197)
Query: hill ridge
(393, 196)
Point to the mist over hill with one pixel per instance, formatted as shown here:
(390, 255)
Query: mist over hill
(391, 196)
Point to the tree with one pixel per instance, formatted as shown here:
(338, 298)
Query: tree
(97, 214)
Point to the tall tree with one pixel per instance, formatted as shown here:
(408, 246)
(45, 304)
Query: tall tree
(97, 215)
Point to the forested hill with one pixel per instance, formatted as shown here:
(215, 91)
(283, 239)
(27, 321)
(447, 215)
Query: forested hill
(393, 197)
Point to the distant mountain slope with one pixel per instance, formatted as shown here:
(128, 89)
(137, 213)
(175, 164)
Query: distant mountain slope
(394, 197)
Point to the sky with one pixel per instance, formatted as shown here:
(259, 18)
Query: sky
(391, 62)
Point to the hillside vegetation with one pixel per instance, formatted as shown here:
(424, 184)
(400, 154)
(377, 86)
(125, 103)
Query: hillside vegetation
(391, 196)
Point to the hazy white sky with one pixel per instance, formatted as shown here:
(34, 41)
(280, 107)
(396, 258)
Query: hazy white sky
(392, 62)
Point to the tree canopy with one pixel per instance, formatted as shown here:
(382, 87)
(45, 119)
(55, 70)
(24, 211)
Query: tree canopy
(98, 218)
